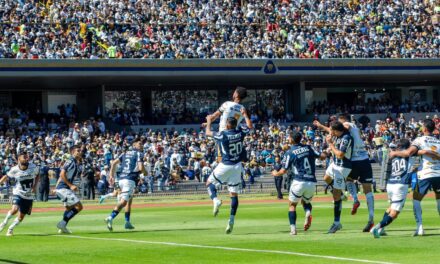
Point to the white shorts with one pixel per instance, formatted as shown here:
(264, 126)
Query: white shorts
(302, 190)
(339, 174)
(397, 195)
(227, 174)
(127, 189)
(67, 196)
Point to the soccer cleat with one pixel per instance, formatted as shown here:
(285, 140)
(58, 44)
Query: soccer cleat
(229, 228)
(217, 207)
(376, 231)
(10, 233)
(356, 205)
(382, 232)
(129, 226)
(335, 227)
(109, 223)
(2, 226)
(101, 199)
(293, 232)
(62, 228)
(368, 227)
(419, 232)
(308, 223)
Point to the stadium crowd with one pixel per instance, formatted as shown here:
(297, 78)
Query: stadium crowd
(170, 156)
(178, 29)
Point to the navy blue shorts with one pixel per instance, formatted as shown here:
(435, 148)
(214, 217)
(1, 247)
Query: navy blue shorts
(24, 205)
(423, 186)
(361, 171)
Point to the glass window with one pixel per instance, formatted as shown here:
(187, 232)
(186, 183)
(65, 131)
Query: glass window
(123, 107)
(271, 104)
(168, 107)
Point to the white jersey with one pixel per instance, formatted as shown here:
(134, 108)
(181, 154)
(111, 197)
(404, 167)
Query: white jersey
(229, 109)
(430, 167)
(359, 149)
(24, 180)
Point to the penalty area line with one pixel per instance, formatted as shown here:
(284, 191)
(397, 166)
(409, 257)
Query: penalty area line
(227, 248)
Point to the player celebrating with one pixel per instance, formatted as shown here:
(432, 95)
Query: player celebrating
(65, 189)
(337, 172)
(301, 160)
(428, 175)
(229, 171)
(132, 166)
(361, 169)
(25, 175)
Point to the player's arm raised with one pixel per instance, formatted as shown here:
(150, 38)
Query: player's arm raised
(321, 126)
(208, 131)
(287, 162)
(246, 118)
(3, 179)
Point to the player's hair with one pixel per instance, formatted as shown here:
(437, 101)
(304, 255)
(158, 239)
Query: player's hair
(232, 122)
(338, 126)
(242, 92)
(345, 117)
(296, 137)
(429, 125)
(403, 143)
(76, 146)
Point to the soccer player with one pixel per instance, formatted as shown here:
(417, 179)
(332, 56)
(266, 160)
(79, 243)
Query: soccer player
(25, 175)
(341, 145)
(229, 171)
(361, 170)
(65, 189)
(301, 160)
(231, 109)
(428, 174)
(398, 180)
(132, 166)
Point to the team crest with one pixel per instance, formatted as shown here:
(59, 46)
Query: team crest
(270, 68)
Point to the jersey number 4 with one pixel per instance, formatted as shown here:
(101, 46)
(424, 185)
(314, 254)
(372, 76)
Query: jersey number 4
(307, 167)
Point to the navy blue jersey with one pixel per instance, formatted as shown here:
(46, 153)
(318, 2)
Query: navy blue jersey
(344, 143)
(129, 168)
(230, 143)
(400, 170)
(72, 169)
(300, 159)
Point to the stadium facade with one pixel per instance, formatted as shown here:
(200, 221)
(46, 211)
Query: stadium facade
(96, 85)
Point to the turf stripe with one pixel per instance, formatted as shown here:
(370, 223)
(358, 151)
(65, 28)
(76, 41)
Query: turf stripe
(228, 248)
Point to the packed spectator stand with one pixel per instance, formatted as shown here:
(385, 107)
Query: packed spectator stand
(231, 29)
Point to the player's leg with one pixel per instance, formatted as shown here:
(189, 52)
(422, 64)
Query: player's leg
(419, 192)
(109, 195)
(128, 224)
(234, 207)
(334, 176)
(292, 217)
(232, 175)
(72, 207)
(366, 179)
(351, 187)
(9, 215)
(216, 177)
(306, 201)
(397, 197)
(15, 223)
(127, 188)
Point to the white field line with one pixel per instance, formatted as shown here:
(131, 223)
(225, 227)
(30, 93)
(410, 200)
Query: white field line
(228, 248)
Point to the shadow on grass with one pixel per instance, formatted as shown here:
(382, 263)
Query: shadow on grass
(144, 231)
(12, 261)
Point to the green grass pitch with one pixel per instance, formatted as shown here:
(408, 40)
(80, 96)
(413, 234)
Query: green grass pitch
(192, 235)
